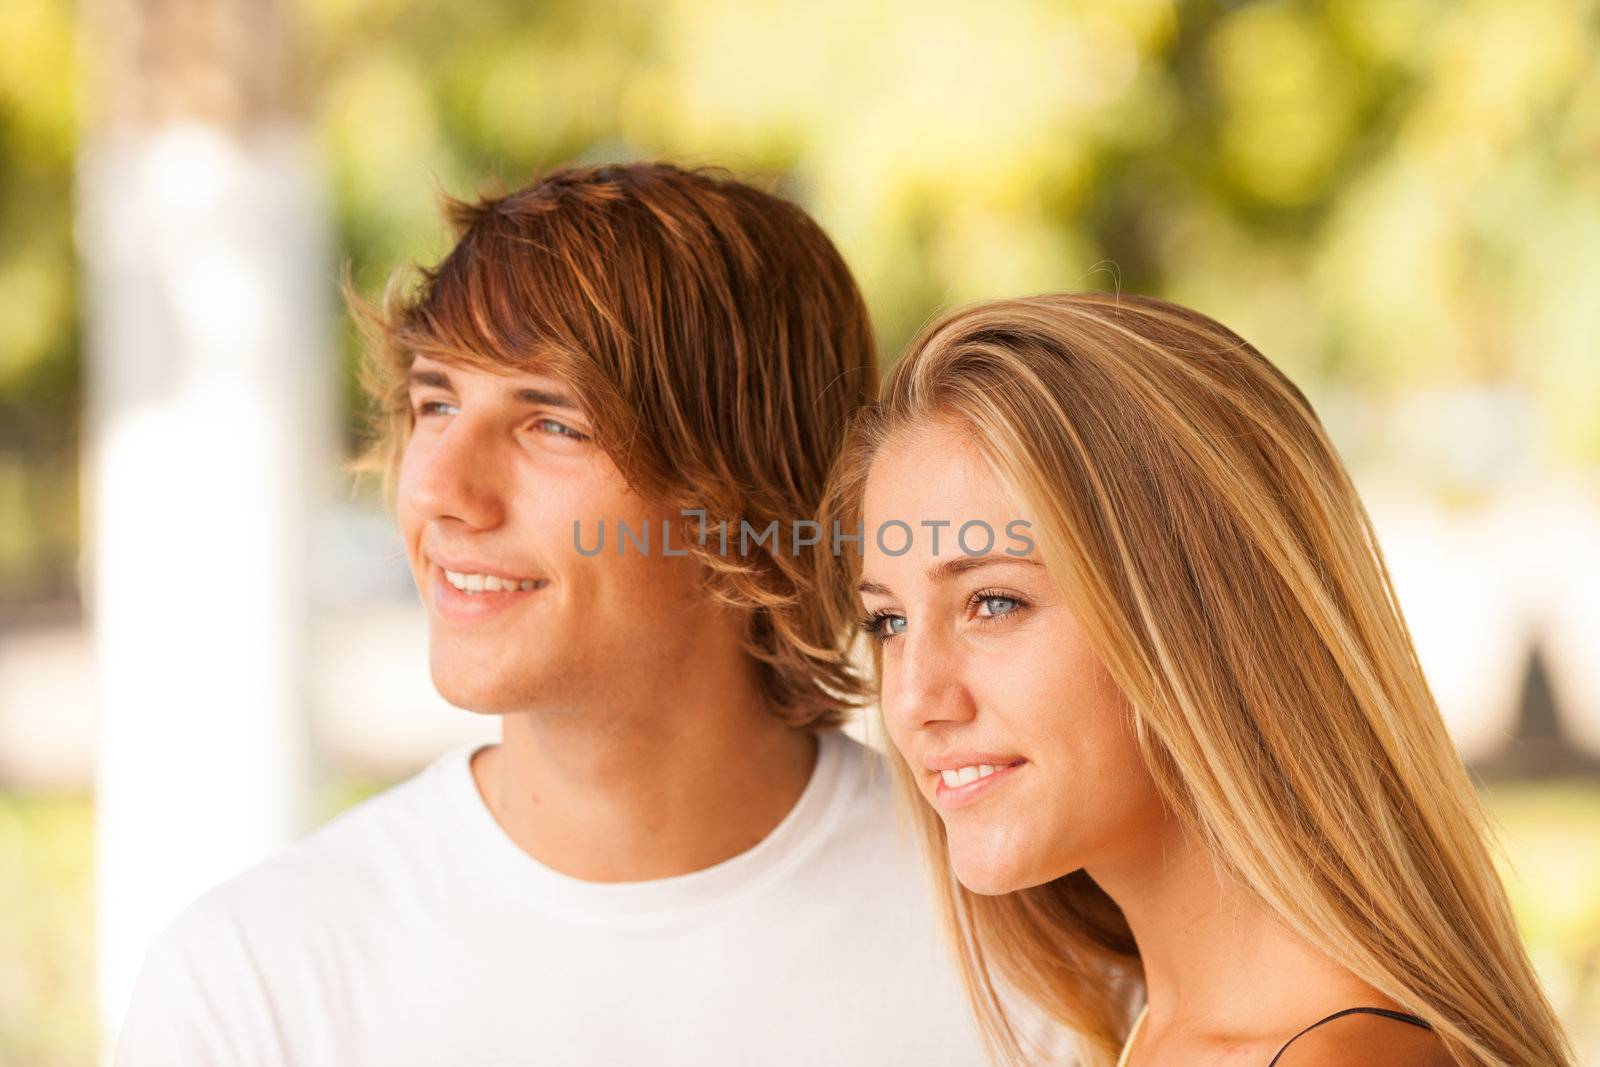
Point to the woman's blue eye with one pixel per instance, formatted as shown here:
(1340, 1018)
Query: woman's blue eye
(997, 605)
(882, 625)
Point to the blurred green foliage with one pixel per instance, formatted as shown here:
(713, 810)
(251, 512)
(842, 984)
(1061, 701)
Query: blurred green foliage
(47, 989)
(1386, 196)
(1549, 834)
(40, 375)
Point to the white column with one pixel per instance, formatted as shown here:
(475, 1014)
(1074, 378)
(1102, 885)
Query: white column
(210, 444)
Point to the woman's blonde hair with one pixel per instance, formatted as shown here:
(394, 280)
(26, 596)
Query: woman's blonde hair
(1190, 503)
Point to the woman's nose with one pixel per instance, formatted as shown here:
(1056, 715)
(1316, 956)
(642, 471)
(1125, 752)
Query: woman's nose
(926, 687)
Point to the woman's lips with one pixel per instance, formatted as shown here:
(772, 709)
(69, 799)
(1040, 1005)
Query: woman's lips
(452, 603)
(951, 798)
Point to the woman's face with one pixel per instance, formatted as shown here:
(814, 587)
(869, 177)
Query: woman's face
(987, 672)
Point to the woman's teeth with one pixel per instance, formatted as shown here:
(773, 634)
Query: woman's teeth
(963, 775)
(489, 583)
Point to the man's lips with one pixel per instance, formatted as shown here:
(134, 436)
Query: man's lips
(458, 605)
(506, 572)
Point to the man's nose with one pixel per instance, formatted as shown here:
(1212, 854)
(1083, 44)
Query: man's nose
(461, 478)
(927, 687)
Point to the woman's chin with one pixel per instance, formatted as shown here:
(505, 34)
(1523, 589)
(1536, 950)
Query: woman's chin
(990, 869)
(986, 883)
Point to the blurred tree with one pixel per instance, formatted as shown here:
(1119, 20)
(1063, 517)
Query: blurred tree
(206, 281)
(40, 377)
(1387, 196)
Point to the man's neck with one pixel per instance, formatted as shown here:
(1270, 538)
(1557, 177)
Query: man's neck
(671, 785)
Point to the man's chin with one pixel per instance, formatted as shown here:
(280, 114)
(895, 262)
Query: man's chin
(478, 694)
(473, 702)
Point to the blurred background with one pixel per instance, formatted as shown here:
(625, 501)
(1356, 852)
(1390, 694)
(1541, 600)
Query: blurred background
(209, 639)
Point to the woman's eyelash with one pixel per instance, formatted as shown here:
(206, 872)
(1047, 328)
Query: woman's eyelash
(977, 599)
(873, 625)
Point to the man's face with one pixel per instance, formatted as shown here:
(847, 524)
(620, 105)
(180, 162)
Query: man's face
(496, 471)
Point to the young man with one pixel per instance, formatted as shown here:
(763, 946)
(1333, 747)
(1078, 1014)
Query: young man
(672, 856)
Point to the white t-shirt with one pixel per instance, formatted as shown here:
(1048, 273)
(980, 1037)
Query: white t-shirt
(412, 930)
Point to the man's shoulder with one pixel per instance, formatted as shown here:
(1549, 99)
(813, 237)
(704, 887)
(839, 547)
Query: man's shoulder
(353, 862)
(865, 765)
(261, 946)
(872, 833)
(866, 786)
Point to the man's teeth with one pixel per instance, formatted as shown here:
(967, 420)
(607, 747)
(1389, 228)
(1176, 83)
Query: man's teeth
(489, 583)
(963, 775)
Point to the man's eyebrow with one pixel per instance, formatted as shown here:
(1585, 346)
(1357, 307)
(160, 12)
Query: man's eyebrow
(946, 569)
(417, 376)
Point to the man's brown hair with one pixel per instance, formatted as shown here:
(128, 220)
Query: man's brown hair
(716, 340)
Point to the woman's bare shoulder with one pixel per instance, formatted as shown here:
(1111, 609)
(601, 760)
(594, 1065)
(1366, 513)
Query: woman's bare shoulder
(1362, 1039)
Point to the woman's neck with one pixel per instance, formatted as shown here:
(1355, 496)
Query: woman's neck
(1219, 966)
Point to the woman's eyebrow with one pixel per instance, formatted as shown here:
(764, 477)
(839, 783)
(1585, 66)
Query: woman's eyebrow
(944, 570)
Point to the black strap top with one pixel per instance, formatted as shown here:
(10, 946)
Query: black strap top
(1401, 1016)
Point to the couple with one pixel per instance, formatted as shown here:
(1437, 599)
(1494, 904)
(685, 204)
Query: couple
(1181, 786)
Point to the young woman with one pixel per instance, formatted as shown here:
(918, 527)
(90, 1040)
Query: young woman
(1182, 781)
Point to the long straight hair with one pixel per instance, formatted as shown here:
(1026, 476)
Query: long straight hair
(1191, 505)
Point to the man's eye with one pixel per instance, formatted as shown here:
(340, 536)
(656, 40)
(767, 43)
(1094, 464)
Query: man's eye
(560, 429)
(427, 407)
